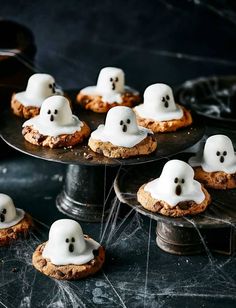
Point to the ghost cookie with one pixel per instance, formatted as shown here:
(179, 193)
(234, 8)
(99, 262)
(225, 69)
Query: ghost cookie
(68, 254)
(175, 193)
(14, 222)
(55, 126)
(121, 137)
(216, 166)
(27, 104)
(109, 92)
(159, 112)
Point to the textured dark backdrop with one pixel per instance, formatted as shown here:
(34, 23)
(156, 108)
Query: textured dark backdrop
(154, 41)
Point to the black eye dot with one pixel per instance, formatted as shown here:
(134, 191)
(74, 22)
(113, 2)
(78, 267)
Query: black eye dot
(163, 99)
(225, 153)
(183, 180)
(117, 79)
(55, 111)
(121, 122)
(49, 111)
(4, 211)
(218, 153)
(50, 86)
(128, 121)
(54, 85)
(67, 240)
(176, 180)
(73, 239)
(167, 97)
(111, 79)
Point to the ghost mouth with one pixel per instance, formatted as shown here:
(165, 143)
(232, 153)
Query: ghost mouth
(2, 217)
(178, 190)
(113, 86)
(166, 104)
(222, 159)
(71, 247)
(124, 128)
(51, 118)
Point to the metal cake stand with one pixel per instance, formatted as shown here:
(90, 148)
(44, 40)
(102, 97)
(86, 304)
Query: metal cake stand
(90, 176)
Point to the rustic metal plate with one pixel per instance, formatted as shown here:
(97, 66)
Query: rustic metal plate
(168, 144)
(221, 213)
(212, 97)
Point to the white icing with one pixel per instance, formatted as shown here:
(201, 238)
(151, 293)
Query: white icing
(121, 128)
(218, 155)
(159, 104)
(110, 85)
(67, 245)
(55, 118)
(9, 215)
(176, 184)
(39, 87)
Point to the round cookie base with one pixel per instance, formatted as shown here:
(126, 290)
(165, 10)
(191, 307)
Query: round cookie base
(145, 147)
(26, 112)
(9, 235)
(166, 126)
(66, 140)
(215, 180)
(96, 104)
(70, 271)
(162, 207)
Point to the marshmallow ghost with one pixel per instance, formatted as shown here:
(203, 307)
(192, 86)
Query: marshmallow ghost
(39, 87)
(55, 118)
(67, 245)
(9, 215)
(218, 155)
(176, 184)
(110, 85)
(159, 104)
(121, 128)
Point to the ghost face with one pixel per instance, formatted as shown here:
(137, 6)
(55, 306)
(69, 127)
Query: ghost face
(65, 239)
(121, 120)
(159, 98)
(176, 178)
(56, 111)
(111, 80)
(7, 209)
(40, 86)
(218, 152)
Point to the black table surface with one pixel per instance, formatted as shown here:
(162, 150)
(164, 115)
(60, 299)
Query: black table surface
(153, 41)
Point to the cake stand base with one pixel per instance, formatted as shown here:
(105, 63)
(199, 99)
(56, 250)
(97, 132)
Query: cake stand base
(190, 241)
(87, 192)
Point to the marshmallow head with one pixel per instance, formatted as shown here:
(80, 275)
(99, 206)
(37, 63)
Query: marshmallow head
(218, 152)
(40, 86)
(56, 111)
(7, 209)
(65, 239)
(176, 178)
(159, 98)
(121, 120)
(111, 80)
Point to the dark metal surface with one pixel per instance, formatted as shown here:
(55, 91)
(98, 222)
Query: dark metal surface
(220, 213)
(168, 144)
(212, 97)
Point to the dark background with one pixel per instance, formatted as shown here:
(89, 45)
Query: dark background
(153, 41)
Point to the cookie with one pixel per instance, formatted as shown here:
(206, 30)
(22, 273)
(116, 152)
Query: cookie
(21, 229)
(65, 140)
(181, 209)
(27, 104)
(55, 126)
(166, 126)
(145, 147)
(109, 92)
(70, 271)
(216, 180)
